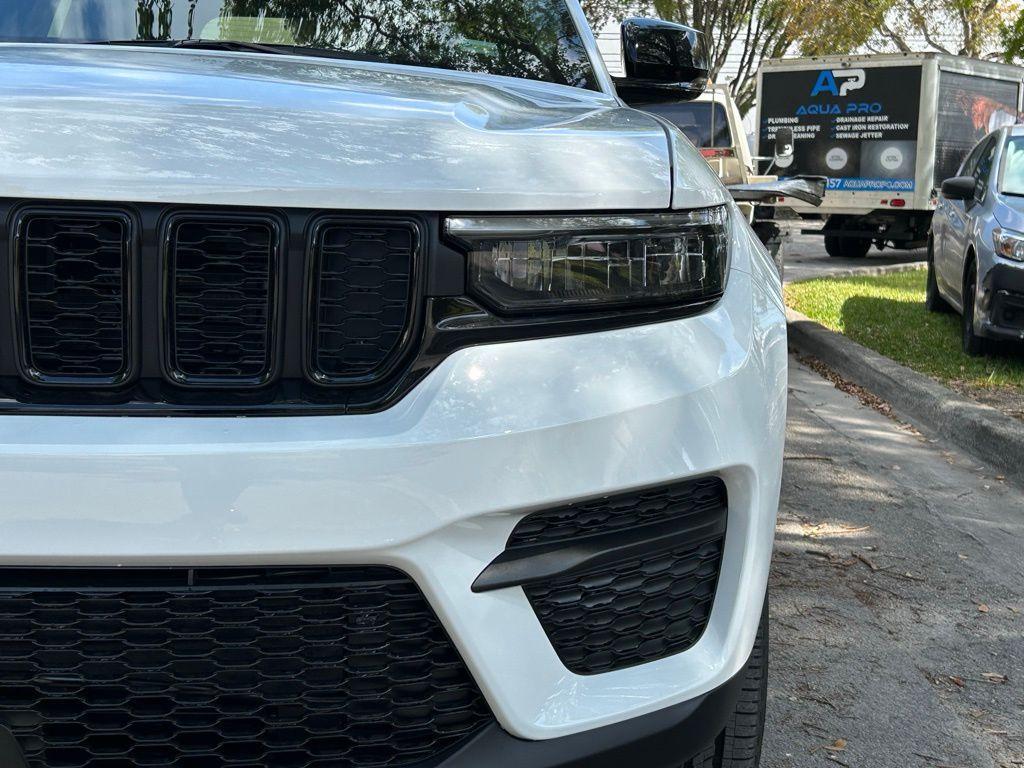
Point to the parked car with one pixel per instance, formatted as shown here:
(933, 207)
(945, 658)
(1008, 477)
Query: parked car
(976, 245)
(377, 389)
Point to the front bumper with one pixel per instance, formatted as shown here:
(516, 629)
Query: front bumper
(662, 739)
(1002, 302)
(434, 486)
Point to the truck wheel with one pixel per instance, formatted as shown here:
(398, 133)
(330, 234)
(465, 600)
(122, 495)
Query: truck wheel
(833, 242)
(856, 248)
(973, 344)
(840, 247)
(739, 745)
(933, 300)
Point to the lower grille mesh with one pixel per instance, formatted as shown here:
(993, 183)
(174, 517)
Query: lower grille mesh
(74, 295)
(631, 612)
(647, 603)
(308, 668)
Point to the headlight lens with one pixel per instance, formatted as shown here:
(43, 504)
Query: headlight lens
(545, 263)
(1009, 245)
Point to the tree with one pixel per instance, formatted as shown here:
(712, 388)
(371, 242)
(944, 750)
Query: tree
(758, 29)
(600, 12)
(1011, 38)
(961, 27)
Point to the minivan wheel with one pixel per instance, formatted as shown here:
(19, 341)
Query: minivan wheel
(933, 300)
(973, 344)
(739, 745)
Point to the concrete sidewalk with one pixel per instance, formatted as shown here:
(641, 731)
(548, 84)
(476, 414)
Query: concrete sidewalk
(897, 595)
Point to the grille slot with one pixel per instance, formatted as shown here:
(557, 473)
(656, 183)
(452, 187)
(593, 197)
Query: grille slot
(362, 296)
(221, 302)
(275, 668)
(651, 601)
(74, 294)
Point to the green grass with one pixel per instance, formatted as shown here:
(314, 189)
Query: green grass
(887, 314)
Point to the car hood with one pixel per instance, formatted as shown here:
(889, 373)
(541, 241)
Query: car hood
(1010, 212)
(175, 126)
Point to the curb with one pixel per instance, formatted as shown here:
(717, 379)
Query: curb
(887, 269)
(982, 431)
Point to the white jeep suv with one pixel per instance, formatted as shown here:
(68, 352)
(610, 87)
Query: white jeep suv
(378, 390)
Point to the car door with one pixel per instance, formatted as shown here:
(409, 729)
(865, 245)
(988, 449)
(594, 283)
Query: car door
(958, 220)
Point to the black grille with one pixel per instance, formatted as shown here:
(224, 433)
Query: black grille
(621, 513)
(639, 604)
(302, 668)
(221, 302)
(631, 612)
(362, 286)
(74, 295)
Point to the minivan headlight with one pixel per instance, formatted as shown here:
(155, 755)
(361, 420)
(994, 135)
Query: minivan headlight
(1009, 245)
(549, 263)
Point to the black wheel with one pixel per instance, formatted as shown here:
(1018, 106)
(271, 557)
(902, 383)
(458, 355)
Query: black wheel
(838, 246)
(856, 247)
(973, 344)
(833, 242)
(933, 300)
(739, 745)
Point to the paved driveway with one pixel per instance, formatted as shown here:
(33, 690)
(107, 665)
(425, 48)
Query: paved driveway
(897, 595)
(806, 257)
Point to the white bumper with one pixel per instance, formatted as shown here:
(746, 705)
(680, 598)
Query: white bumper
(435, 485)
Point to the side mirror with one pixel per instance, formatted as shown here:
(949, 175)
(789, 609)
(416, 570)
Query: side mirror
(959, 188)
(664, 62)
(784, 148)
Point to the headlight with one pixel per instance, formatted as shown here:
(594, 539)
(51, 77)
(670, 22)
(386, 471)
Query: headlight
(521, 263)
(1009, 245)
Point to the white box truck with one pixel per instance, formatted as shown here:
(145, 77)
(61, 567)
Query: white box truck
(886, 130)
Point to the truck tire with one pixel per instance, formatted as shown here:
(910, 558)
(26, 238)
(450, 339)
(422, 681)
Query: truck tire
(855, 247)
(838, 246)
(739, 745)
(833, 242)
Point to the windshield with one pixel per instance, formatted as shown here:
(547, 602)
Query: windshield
(694, 119)
(533, 39)
(1013, 167)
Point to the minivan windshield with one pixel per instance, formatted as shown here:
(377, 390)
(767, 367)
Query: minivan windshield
(1013, 167)
(533, 39)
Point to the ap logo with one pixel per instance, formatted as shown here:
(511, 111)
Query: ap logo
(852, 80)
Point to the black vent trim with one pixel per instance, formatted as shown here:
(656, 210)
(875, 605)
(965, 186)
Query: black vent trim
(73, 298)
(697, 498)
(222, 275)
(346, 667)
(622, 580)
(630, 612)
(363, 288)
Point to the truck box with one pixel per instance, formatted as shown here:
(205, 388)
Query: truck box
(886, 130)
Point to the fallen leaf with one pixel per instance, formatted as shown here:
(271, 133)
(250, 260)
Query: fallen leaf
(982, 608)
(957, 680)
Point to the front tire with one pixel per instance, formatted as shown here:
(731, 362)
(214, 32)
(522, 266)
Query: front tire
(933, 300)
(739, 745)
(973, 344)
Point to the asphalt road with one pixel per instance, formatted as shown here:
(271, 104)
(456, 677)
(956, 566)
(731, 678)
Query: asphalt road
(806, 257)
(897, 597)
